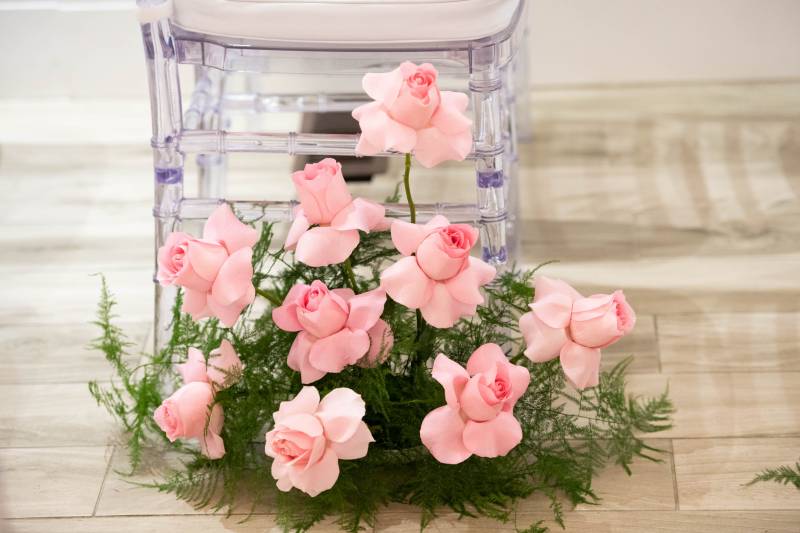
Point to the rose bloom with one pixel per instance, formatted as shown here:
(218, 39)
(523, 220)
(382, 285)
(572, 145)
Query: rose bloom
(215, 271)
(440, 278)
(326, 204)
(311, 436)
(564, 324)
(222, 363)
(185, 414)
(410, 113)
(336, 328)
(601, 319)
(478, 418)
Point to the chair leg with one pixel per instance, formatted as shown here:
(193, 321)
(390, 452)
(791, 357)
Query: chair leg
(165, 101)
(511, 162)
(212, 167)
(487, 94)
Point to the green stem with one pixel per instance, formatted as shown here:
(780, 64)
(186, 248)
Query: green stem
(412, 210)
(349, 276)
(407, 185)
(270, 297)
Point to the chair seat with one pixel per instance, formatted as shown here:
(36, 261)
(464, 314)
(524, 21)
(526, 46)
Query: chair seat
(347, 21)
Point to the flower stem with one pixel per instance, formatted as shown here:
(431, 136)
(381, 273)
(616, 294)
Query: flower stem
(349, 276)
(413, 217)
(407, 185)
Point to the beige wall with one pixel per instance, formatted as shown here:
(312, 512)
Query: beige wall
(619, 41)
(92, 47)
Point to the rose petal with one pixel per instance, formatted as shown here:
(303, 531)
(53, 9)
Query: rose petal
(285, 316)
(340, 412)
(543, 342)
(224, 227)
(520, 379)
(407, 236)
(441, 432)
(304, 423)
(465, 286)
(299, 226)
(356, 446)
(306, 401)
(493, 438)
(234, 278)
(581, 365)
(317, 478)
(380, 130)
(194, 369)
(383, 86)
(229, 314)
(222, 362)
(205, 258)
(449, 117)
(554, 310)
(407, 284)
(434, 146)
(381, 342)
(195, 303)
(442, 310)
(472, 403)
(592, 307)
(322, 246)
(333, 353)
(298, 358)
(280, 472)
(451, 376)
(212, 446)
(366, 309)
(359, 214)
(486, 357)
(545, 286)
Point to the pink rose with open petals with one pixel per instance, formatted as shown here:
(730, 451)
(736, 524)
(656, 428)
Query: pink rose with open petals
(327, 222)
(311, 436)
(410, 113)
(215, 271)
(191, 413)
(601, 319)
(564, 324)
(440, 279)
(336, 328)
(478, 418)
(222, 364)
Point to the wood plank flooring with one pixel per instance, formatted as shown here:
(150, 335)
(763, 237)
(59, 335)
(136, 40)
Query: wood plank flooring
(688, 197)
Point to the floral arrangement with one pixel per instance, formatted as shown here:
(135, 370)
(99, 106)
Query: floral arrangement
(387, 365)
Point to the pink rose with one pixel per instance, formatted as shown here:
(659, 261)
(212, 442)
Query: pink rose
(410, 113)
(215, 271)
(441, 279)
(336, 218)
(189, 262)
(336, 328)
(564, 324)
(601, 319)
(185, 414)
(311, 436)
(222, 364)
(478, 418)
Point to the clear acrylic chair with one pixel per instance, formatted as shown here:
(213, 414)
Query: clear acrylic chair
(475, 45)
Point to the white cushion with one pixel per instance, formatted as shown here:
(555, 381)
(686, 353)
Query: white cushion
(346, 21)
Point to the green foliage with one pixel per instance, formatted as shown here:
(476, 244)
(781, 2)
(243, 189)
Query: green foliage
(784, 474)
(566, 438)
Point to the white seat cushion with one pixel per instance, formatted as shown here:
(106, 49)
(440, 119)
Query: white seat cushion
(347, 21)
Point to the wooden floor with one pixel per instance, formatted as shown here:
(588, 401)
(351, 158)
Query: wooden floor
(688, 197)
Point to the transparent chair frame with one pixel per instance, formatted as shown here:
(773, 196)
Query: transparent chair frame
(492, 65)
